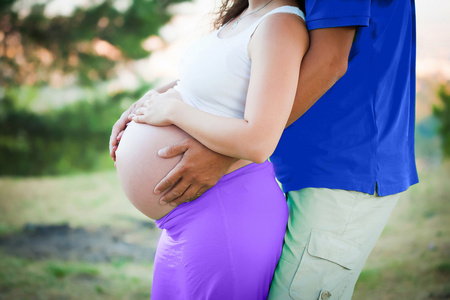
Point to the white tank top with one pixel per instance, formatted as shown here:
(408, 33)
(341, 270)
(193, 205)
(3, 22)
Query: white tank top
(215, 72)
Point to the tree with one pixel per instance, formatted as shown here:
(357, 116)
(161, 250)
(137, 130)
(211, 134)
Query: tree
(87, 44)
(443, 114)
(81, 49)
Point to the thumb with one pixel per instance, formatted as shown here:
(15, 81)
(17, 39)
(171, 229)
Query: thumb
(174, 150)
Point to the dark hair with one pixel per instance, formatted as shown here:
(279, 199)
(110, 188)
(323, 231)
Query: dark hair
(231, 9)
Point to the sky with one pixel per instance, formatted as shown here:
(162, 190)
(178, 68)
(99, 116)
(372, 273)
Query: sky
(433, 37)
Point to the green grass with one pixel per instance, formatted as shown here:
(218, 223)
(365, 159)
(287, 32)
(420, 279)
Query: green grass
(61, 270)
(87, 200)
(411, 259)
(48, 279)
(370, 278)
(80, 200)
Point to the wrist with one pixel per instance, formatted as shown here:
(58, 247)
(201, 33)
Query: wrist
(173, 108)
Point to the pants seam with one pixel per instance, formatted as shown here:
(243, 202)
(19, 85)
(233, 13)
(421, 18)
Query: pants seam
(298, 264)
(289, 261)
(355, 202)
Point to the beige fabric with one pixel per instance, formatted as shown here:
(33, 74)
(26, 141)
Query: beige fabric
(330, 234)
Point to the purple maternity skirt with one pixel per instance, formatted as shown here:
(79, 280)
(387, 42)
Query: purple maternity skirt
(226, 244)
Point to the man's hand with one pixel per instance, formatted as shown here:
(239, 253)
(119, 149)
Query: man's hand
(199, 170)
(119, 127)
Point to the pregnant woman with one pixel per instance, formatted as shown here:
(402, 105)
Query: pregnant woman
(235, 94)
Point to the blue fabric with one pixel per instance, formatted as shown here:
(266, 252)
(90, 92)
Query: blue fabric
(337, 13)
(360, 134)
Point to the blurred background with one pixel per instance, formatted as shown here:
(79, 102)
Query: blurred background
(69, 68)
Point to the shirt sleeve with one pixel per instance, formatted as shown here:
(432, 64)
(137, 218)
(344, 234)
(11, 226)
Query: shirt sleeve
(337, 13)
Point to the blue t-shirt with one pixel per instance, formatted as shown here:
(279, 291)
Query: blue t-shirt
(360, 134)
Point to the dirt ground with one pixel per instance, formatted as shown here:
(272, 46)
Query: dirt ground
(62, 242)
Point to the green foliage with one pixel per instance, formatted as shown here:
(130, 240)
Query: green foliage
(444, 267)
(81, 49)
(99, 289)
(73, 138)
(35, 47)
(442, 113)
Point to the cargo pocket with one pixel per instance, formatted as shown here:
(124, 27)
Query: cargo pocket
(325, 267)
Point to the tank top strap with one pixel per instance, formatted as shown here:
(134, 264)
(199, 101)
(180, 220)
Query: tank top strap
(282, 9)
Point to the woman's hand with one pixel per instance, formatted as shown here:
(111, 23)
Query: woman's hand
(156, 110)
(121, 124)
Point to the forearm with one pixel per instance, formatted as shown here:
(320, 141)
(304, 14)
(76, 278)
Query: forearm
(316, 78)
(272, 88)
(227, 136)
(276, 60)
(323, 65)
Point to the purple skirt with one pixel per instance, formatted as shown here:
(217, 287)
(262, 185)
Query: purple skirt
(225, 244)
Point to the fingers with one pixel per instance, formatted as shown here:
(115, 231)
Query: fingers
(142, 110)
(190, 194)
(112, 152)
(149, 94)
(119, 136)
(139, 112)
(176, 192)
(113, 137)
(174, 150)
(113, 142)
(202, 190)
(170, 180)
(138, 105)
(118, 127)
(113, 148)
(138, 119)
(139, 115)
(125, 118)
(198, 170)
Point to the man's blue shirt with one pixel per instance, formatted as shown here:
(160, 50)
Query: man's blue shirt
(360, 134)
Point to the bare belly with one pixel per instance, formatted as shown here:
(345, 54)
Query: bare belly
(139, 167)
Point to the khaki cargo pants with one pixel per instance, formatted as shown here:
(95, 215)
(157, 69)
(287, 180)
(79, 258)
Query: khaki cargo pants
(330, 234)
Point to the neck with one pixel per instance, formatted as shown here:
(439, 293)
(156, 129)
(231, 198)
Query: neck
(255, 4)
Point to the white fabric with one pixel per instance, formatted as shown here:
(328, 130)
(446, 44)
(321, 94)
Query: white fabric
(215, 72)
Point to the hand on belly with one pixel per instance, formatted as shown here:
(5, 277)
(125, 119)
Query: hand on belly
(139, 167)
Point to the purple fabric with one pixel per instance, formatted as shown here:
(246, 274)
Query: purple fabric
(226, 244)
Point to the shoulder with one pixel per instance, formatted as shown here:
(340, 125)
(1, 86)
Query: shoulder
(281, 23)
(280, 30)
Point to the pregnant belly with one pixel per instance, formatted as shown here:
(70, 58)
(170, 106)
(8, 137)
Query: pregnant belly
(139, 167)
